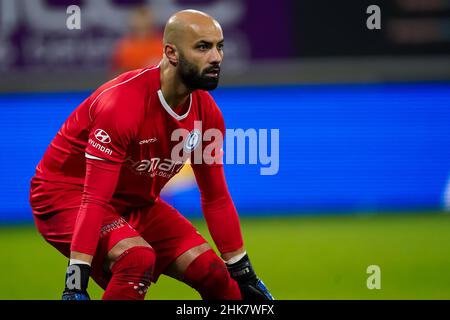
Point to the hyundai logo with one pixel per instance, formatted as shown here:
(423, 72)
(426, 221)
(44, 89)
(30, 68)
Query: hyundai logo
(102, 136)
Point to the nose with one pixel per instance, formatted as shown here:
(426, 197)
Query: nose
(216, 56)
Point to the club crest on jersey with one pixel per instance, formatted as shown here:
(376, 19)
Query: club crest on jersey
(192, 140)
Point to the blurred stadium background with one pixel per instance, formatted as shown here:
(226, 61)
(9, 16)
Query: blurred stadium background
(364, 120)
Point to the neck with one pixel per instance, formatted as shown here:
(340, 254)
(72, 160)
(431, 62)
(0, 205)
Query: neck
(173, 89)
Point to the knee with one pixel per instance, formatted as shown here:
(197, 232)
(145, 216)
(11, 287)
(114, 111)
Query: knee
(210, 277)
(136, 261)
(131, 274)
(208, 267)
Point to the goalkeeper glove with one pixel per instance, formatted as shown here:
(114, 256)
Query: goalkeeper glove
(77, 277)
(252, 288)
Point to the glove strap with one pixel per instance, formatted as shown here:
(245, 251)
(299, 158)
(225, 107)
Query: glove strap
(242, 271)
(77, 277)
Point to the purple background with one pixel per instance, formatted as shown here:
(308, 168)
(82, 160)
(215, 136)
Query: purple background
(264, 32)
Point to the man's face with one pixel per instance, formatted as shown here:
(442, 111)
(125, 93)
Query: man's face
(200, 58)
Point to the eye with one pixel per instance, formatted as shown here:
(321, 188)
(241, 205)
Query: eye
(220, 46)
(202, 47)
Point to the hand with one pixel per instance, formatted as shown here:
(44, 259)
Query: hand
(77, 277)
(252, 288)
(71, 295)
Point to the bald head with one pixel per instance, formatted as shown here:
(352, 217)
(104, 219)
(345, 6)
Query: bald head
(193, 49)
(189, 24)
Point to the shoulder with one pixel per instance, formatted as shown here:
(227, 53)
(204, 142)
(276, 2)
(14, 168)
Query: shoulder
(208, 104)
(126, 92)
(132, 84)
(210, 112)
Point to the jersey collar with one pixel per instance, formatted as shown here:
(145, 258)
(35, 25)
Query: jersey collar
(169, 109)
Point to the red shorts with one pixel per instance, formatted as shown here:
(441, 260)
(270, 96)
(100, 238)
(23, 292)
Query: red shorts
(162, 226)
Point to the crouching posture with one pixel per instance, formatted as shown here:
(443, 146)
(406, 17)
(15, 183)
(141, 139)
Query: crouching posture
(95, 194)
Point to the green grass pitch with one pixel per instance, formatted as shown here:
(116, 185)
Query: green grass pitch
(320, 257)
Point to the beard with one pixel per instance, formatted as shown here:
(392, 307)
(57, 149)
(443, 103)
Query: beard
(195, 79)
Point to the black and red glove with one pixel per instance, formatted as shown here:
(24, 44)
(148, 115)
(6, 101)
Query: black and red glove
(252, 288)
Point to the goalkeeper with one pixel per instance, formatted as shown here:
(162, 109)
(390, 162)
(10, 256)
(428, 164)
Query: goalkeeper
(95, 194)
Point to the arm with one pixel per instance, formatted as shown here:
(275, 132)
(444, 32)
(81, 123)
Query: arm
(224, 227)
(112, 117)
(219, 210)
(100, 182)
(220, 213)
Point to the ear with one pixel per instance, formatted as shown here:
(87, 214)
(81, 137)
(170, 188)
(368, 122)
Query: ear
(171, 53)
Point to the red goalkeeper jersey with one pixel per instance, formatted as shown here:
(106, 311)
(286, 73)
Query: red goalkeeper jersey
(123, 136)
